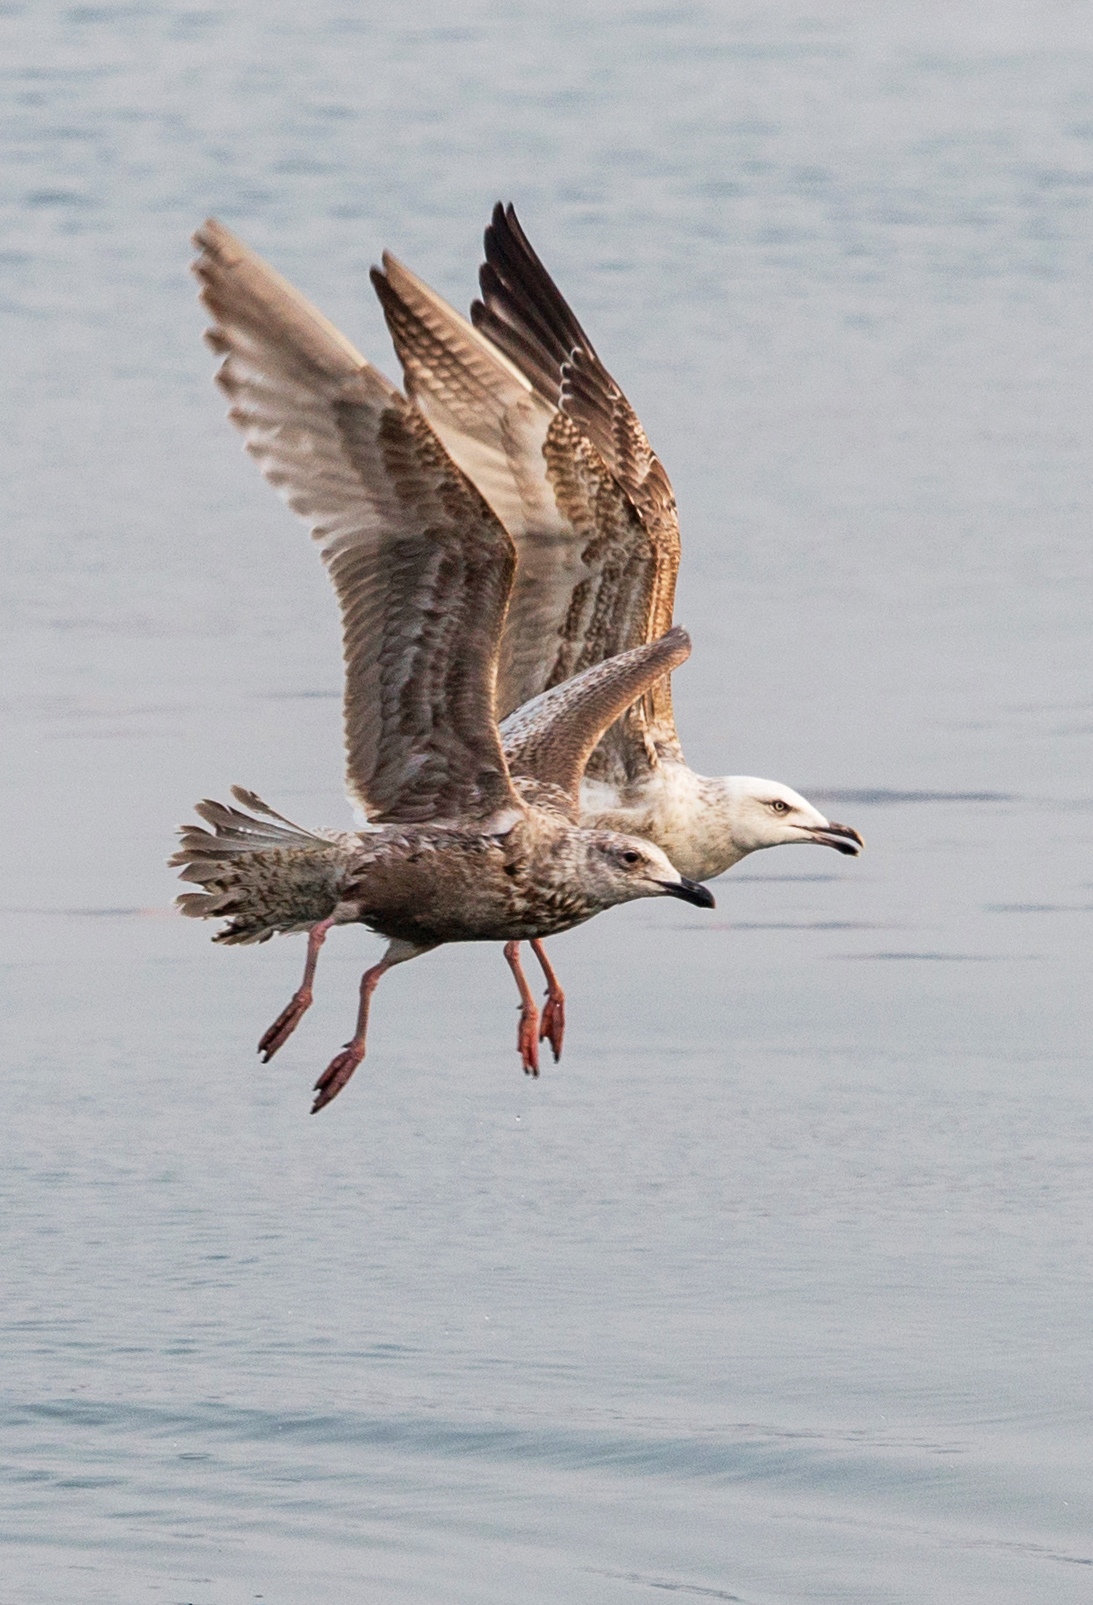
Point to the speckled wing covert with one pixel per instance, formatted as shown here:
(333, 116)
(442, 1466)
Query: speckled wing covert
(571, 476)
(551, 738)
(421, 566)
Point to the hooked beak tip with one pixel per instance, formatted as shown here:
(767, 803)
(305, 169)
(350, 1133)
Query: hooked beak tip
(690, 892)
(844, 838)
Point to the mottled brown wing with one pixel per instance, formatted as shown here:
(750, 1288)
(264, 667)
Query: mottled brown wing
(551, 738)
(421, 566)
(523, 313)
(587, 569)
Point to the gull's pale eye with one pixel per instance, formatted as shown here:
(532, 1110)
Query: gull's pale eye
(779, 806)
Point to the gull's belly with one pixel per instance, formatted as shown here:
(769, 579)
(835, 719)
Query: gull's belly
(482, 919)
(469, 891)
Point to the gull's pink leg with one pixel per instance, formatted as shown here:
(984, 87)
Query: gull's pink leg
(339, 1070)
(552, 1026)
(301, 1000)
(527, 1035)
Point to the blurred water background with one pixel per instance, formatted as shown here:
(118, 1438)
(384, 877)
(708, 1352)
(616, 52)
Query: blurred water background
(778, 1288)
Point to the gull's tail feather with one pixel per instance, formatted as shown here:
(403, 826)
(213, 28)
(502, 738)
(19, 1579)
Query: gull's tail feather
(235, 832)
(251, 800)
(261, 876)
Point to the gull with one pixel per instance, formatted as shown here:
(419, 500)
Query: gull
(524, 405)
(461, 844)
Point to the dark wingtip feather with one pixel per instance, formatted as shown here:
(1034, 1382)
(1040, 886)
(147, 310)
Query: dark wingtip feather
(521, 308)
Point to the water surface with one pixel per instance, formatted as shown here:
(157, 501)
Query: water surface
(778, 1288)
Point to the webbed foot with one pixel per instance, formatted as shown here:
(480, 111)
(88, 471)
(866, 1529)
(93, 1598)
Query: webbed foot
(285, 1023)
(552, 1024)
(336, 1074)
(527, 1040)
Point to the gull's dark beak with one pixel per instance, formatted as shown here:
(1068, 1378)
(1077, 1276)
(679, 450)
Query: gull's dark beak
(844, 838)
(690, 892)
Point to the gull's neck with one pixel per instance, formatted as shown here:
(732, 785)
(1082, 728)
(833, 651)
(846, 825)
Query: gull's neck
(691, 817)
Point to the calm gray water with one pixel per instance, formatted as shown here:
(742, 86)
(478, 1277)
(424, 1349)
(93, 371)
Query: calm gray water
(778, 1289)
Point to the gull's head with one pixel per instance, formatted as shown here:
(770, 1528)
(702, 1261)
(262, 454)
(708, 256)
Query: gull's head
(620, 868)
(764, 813)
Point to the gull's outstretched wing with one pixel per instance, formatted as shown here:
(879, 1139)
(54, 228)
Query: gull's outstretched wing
(524, 314)
(421, 565)
(594, 578)
(551, 738)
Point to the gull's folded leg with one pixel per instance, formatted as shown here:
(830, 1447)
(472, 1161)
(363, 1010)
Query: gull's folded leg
(527, 1034)
(301, 1000)
(552, 1025)
(339, 1070)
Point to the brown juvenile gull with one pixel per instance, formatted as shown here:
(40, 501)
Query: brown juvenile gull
(455, 850)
